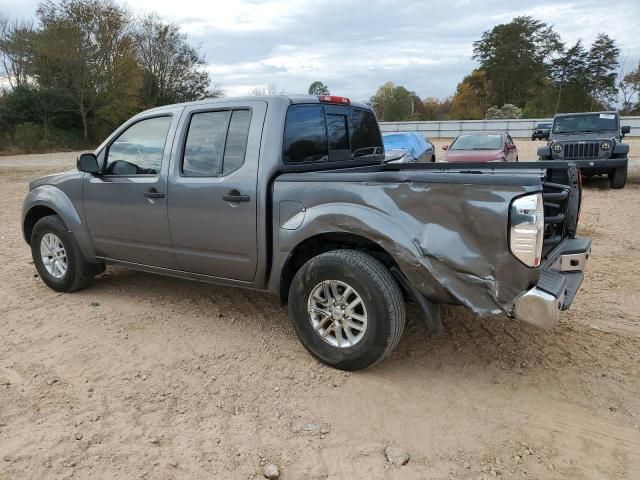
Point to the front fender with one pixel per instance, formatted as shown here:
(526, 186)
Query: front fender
(621, 149)
(55, 199)
(544, 151)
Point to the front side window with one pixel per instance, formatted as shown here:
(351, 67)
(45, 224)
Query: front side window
(139, 149)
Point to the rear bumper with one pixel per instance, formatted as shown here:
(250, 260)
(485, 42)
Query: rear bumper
(559, 282)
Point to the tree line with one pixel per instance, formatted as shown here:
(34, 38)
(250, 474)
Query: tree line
(85, 68)
(525, 70)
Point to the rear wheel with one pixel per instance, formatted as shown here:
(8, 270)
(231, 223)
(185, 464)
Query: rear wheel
(347, 309)
(618, 178)
(57, 256)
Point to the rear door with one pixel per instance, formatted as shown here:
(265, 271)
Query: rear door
(213, 182)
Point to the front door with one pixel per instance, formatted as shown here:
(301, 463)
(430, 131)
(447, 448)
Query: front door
(126, 205)
(213, 189)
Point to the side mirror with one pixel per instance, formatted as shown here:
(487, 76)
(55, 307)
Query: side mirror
(88, 163)
(625, 130)
(445, 147)
(511, 146)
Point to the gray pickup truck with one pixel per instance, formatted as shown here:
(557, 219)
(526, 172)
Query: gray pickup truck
(291, 195)
(592, 140)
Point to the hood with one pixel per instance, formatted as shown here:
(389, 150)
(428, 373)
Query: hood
(473, 155)
(398, 155)
(54, 179)
(584, 137)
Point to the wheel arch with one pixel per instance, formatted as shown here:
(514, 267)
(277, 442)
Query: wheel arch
(48, 200)
(34, 214)
(325, 242)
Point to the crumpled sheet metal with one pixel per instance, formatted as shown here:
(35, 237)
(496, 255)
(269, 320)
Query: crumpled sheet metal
(450, 240)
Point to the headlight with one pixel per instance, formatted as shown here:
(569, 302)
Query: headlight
(557, 147)
(526, 232)
(605, 146)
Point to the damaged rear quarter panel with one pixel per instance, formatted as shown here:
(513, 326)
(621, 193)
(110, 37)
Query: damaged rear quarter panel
(448, 236)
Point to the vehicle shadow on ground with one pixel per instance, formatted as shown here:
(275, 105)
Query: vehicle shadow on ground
(468, 342)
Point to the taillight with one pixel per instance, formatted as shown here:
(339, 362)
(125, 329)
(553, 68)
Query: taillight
(526, 233)
(334, 99)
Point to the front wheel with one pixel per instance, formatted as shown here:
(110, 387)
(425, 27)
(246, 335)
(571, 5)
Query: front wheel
(618, 178)
(347, 309)
(57, 256)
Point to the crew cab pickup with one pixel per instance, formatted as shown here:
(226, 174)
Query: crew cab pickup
(291, 195)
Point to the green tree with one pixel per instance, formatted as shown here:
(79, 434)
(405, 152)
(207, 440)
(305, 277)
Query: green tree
(513, 56)
(602, 64)
(569, 71)
(393, 103)
(471, 100)
(173, 71)
(85, 56)
(318, 88)
(630, 87)
(507, 111)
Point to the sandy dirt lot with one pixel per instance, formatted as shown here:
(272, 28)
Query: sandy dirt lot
(141, 376)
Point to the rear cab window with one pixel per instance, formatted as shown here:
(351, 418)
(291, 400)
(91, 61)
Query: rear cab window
(326, 134)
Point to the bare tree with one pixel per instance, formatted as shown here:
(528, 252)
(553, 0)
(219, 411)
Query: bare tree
(173, 70)
(16, 49)
(269, 89)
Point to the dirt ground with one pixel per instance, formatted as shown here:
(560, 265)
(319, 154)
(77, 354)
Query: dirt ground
(141, 376)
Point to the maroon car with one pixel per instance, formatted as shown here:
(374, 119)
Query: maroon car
(481, 147)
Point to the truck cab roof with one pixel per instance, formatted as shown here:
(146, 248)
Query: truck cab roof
(283, 99)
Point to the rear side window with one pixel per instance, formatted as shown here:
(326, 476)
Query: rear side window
(216, 143)
(236, 147)
(315, 133)
(305, 136)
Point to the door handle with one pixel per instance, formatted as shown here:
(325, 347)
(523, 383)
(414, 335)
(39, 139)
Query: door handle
(234, 196)
(153, 193)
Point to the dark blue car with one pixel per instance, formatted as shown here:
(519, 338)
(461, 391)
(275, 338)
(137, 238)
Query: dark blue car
(406, 147)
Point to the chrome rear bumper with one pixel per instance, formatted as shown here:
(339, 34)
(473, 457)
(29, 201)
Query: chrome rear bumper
(559, 282)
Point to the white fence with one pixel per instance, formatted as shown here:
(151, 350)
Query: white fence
(517, 128)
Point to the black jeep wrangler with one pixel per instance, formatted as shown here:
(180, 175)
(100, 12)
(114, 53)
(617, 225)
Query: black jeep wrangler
(541, 131)
(593, 140)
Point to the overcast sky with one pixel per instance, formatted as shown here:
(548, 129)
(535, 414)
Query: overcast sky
(354, 46)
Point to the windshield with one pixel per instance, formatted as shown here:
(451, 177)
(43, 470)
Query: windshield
(543, 125)
(596, 122)
(477, 142)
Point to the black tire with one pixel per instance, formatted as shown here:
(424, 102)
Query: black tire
(379, 292)
(79, 272)
(618, 178)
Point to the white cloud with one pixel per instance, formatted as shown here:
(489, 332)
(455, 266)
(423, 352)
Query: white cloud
(355, 46)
